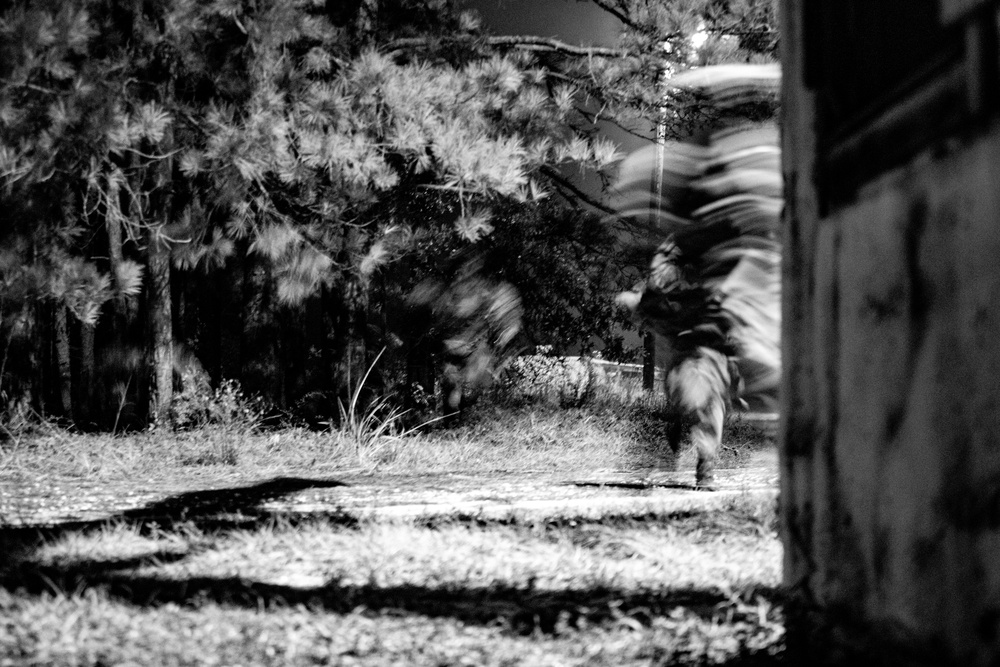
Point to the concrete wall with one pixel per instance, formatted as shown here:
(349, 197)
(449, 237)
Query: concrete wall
(890, 434)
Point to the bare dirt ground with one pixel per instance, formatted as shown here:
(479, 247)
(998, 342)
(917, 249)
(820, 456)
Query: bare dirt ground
(43, 500)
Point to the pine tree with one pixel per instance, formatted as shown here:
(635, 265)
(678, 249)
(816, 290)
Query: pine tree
(53, 111)
(356, 127)
(308, 145)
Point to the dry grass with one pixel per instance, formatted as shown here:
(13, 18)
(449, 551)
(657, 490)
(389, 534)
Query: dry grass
(90, 629)
(617, 553)
(493, 439)
(603, 435)
(615, 426)
(696, 588)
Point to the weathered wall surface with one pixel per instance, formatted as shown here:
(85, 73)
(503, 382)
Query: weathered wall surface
(891, 427)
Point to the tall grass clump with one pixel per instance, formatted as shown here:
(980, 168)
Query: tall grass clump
(223, 416)
(369, 428)
(366, 426)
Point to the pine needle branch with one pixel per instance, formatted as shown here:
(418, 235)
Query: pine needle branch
(29, 86)
(523, 42)
(164, 156)
(613, 121)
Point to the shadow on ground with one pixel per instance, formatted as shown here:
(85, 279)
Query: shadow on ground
(520, 610)
(211, 509)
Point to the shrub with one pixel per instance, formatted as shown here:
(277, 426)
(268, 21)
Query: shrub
(569, 381)
(198, 405)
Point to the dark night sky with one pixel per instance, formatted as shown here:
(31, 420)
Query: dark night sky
(569, 20)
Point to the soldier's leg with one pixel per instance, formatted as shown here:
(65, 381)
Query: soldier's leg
(677, 417)
(451, 393)
(706, 435)
(675, 430)
(699, 386)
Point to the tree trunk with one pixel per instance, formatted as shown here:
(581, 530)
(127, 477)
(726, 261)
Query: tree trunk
(86, 388)
(112, 221)
(258, 373)
(162, 331)
(160, 307)
(62, 356)
(421, 373)
(648, 361)
(368, 20)
(355, 362)
(106, 397)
